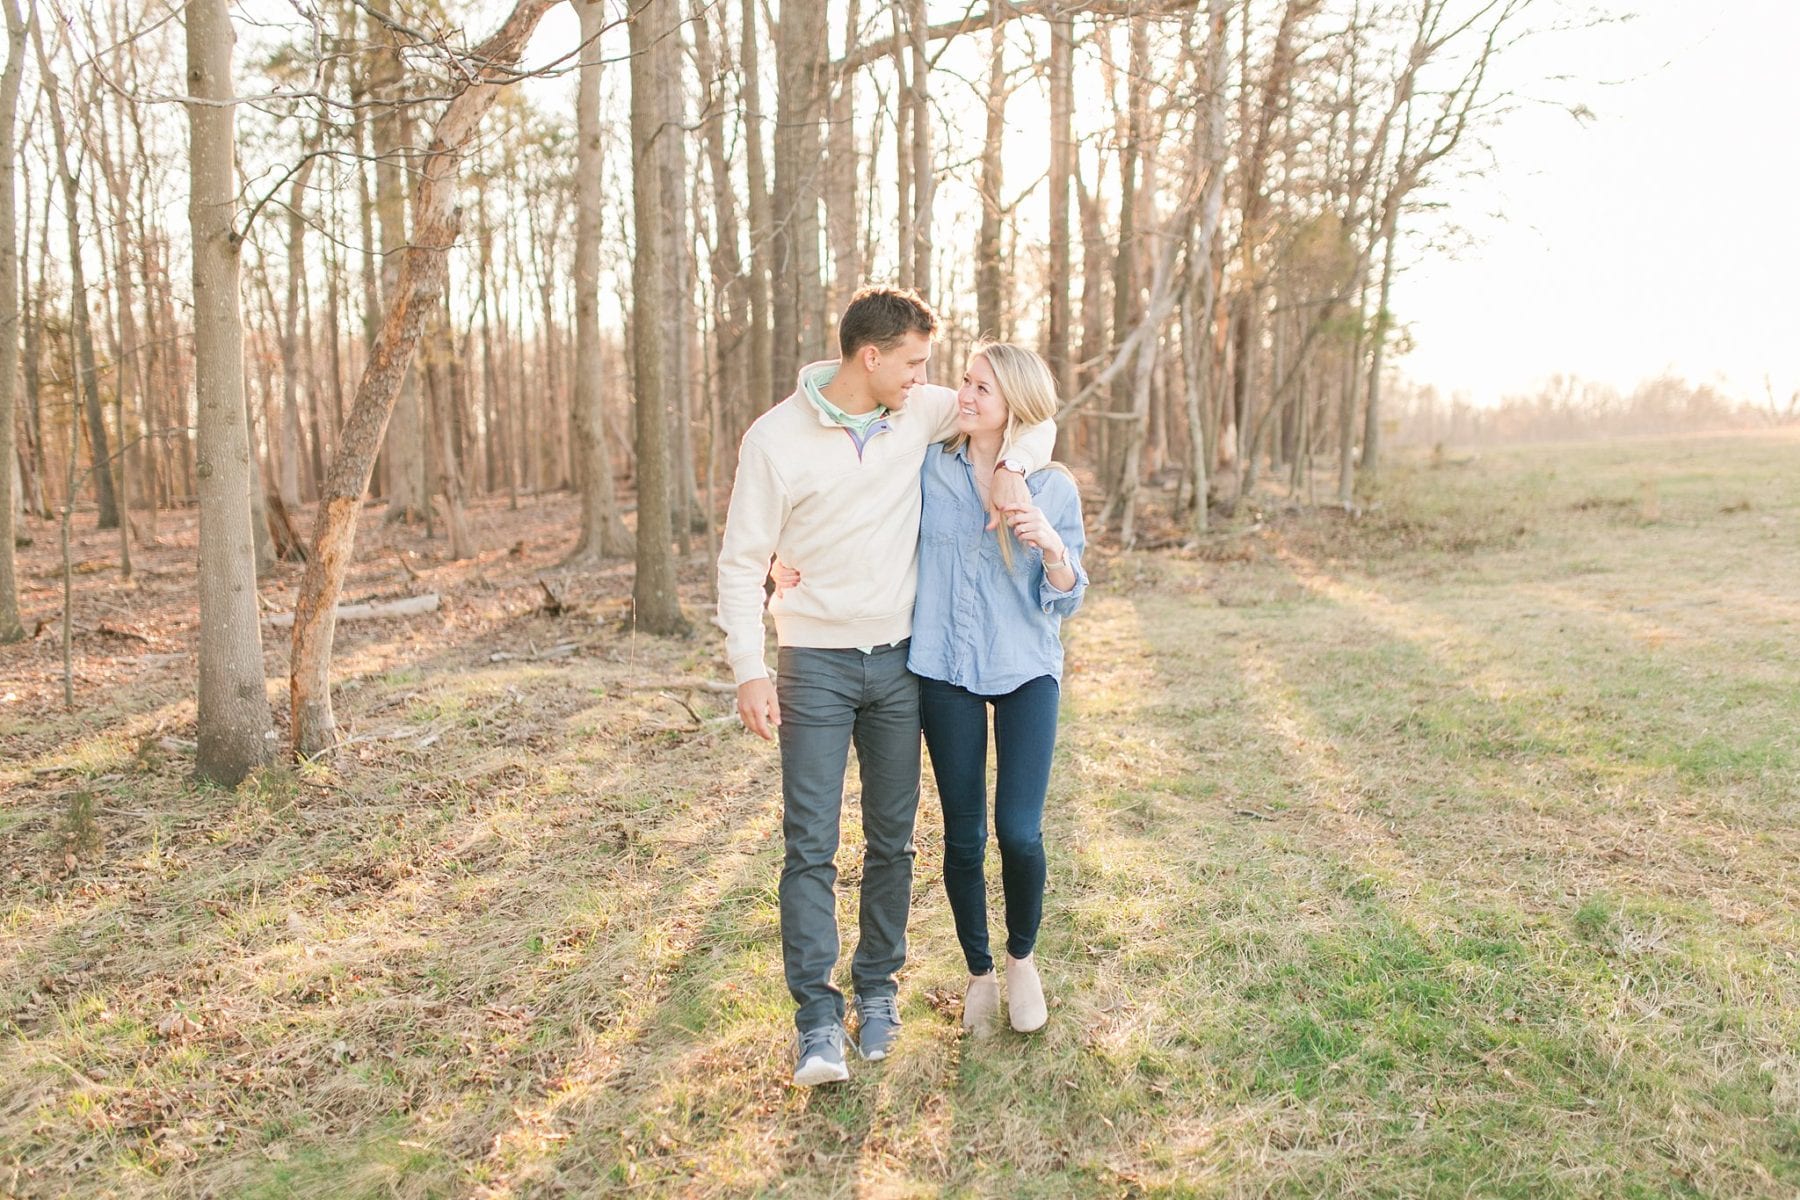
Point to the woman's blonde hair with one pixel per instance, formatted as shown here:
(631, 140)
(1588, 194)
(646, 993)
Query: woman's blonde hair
(1029, 392)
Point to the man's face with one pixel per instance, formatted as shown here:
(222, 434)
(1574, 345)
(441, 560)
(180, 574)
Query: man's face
(895, 373)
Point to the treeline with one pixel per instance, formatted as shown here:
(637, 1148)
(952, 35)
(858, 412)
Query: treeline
(1569, 408)
(455, 269)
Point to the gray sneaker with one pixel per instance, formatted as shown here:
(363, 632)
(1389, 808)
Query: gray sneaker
(819, 1056)
(878, 1024)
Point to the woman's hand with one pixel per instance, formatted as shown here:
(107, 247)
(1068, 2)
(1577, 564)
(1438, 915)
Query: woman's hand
(784, 576)
(1032, 528)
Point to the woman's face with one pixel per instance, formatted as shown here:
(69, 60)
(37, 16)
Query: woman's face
(979, 407)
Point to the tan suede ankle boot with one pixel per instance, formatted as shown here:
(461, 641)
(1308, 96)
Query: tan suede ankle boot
(1025, 1005)
(981, 1005)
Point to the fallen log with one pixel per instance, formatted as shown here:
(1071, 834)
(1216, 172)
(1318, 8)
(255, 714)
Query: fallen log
(412, 606)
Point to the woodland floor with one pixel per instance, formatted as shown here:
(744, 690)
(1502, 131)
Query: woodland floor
(1451, 850)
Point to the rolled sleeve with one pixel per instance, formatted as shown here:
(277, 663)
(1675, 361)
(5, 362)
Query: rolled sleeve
(1064, 510)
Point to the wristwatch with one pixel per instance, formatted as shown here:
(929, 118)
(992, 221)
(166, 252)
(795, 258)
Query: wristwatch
(1012, 464)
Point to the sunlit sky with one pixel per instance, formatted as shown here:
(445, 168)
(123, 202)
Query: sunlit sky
(1657, 235)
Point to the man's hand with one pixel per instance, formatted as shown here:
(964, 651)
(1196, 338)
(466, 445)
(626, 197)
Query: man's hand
(785, 578)
(1007, 490)
(758, 708)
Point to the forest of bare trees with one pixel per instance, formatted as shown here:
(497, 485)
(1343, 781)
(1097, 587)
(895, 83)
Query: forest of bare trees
(268, 260)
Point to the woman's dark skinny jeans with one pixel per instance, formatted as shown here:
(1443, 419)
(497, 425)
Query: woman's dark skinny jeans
(956, 728)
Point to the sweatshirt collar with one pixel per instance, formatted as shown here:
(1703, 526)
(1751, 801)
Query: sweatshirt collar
(813, 378)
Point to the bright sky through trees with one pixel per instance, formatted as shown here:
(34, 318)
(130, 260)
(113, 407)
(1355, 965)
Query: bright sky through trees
(1658, 235)
(1653, 236)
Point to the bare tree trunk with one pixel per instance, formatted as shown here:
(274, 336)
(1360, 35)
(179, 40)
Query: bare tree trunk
(1371, 455)
(924, 180)
(679, 248)
(1125, 267)
(1195, 364)
(904, 213)
(262, 543)
(602, 532)
(128, 353)
(1094, 261)
(1349, 396)
(150, 362)
(1197, 318)
(655, 601)
(990, 267)
(175, 387)
(115, 317)
(31, 308)
(409, 496)
(288, 481)
(842, 202)
(439, 349)
(315, 398)
(800, 74)
(11, 630)
(762, 363)
(730, 286)
(493, 444)
(1062, 171)
(422, 272)
(234, 726)
(86, 370)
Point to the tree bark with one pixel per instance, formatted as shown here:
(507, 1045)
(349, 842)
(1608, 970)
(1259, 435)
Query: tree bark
(1197, 316)
(234, 724)
(842, 201)
(440, 351)
(990, 268)
(800, 74)
(679, 278)
(408, 493)
(422, 271)
(11, 629)
(1062, 172)
(1371, 454)
(924, 179)
(761, 366)
(602, 532)
(1125, 270)
(287, 483)
(121, 325)
(655, 601)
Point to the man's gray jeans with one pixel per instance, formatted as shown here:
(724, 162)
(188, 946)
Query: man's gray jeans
(829, 698)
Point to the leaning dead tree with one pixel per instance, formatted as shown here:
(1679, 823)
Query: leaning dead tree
(480, 75)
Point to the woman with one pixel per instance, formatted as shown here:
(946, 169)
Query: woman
(986, 635)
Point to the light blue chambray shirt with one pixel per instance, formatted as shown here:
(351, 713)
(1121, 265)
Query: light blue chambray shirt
(976, 624)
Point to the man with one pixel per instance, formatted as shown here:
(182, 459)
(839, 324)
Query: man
(829, 480)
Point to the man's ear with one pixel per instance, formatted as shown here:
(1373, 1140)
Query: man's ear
(871, 358)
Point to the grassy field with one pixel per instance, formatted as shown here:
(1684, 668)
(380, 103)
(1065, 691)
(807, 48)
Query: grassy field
(1448, 851)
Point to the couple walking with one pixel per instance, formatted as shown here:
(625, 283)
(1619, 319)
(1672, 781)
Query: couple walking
(924, 559)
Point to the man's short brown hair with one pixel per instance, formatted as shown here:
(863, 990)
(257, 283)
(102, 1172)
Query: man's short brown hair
(882, 317)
